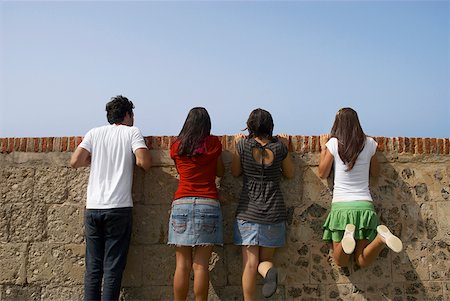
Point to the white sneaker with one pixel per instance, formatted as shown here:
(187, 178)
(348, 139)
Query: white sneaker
(393, 242)
(348, 241)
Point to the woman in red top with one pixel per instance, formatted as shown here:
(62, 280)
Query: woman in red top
(195, 224)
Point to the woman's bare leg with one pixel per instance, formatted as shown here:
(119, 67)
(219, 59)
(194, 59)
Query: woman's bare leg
(250, 262)
(182, 272)
(201, 272)
(366, 253)
(340, 257)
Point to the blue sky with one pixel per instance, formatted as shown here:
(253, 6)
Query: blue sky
(60, 62)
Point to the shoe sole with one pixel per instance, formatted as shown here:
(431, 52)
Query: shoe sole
(271, 283)
(348, 242)
(393, 242)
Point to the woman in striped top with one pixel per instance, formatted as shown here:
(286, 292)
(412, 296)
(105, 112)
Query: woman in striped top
(260, 224)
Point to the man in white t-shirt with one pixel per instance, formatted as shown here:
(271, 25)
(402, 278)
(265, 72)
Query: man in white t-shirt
(111, 151)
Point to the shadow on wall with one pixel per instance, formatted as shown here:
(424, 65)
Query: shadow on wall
(307, 270)
(310, 272)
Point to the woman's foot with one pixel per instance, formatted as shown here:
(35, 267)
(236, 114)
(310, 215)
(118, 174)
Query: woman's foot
(270, 283)
(393, 242)
(348, 241)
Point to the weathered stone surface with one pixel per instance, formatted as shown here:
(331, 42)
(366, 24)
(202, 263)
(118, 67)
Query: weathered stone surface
(50, 263)
(41, 233)
(377, 291)
(379, 272)
(138, 185)
(306, 292)
(156, 292)
(218, 267)
(51, 185)
(16, 293)
(443, 221)
(132, 276)
(65, 223)
(5, 215)
(150, 224)
(323, 268)
(345, 292)
(71, 293)
(295, 264)
(77, 180)
(160, 185)
(411, 265)
(13, 263)
(158, 265)
(439, 260)
(28, 222)
(16, 185)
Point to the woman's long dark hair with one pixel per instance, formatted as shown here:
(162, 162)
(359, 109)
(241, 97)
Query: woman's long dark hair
(195, 129)
(350, 136)
(260, 124)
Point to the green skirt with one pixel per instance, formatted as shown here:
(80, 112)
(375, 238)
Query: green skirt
(359, 213)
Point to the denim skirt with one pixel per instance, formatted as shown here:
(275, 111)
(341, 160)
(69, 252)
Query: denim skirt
(195, 221)
(255, 234)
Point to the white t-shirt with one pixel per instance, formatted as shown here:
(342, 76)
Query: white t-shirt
(112, 150)
(352, 185)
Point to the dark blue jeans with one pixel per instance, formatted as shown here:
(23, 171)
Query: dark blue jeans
(107, 233)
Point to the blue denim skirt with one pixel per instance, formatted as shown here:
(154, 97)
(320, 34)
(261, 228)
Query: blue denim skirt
(254, 234)
(195, 221)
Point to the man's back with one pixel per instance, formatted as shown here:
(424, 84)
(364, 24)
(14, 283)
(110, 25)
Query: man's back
(112, 162)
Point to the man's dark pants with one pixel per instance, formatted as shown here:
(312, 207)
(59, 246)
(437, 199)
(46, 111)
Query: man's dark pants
(107, 234)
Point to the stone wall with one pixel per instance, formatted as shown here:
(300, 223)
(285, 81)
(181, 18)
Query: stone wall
(41, 225)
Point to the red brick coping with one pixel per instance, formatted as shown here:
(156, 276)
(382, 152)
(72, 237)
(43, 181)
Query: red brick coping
(302, 144)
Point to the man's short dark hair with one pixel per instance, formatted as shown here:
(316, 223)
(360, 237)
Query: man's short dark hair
(117, 108)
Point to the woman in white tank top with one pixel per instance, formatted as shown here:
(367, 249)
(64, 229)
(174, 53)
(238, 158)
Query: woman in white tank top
(352, 224)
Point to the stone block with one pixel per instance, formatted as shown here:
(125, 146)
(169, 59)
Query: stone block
(150, 224)
(418, 291)
(152, 293)
(28, 222)
(411, 264)
(5, 214)
(323, 268)
(51, 185)
(16, 293)
(315, 189)
(345, 292)
(160, 184)
(443, 221)
(446, 287)
(65, 223)
(77, 182)
(230, 293)
(228, 213)
(305, 292)
(439, 261)
(378, 291)
(51, 263)
(233, 259)
(16, 185)
(132, 276)
(138, 185)
(294, 264)
(378, 272)
(13, 263)
(306, 222)
(69, 293)
(158, 265)
(218, 267)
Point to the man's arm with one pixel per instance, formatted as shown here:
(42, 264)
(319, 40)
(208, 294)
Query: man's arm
(143, 158)
(80, 158)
